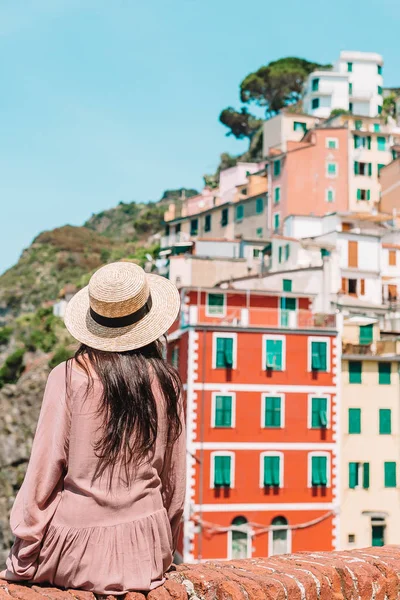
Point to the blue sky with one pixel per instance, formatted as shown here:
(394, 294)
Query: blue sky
(107, 101)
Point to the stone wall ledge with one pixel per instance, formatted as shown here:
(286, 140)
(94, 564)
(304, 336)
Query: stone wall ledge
(370, 574)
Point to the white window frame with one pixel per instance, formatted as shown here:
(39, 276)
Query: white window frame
(263, 402)
(330, 189)
(273, 220)
(331, 175)
(216, 335)
(223, 313)
(213, 407)
(309, 410)
(328, 352)
(249, 542)
(277, 187)
(332, 139)
(281, 338)
(309, 467)
(281, 468)
(212, 467)
(270, 539)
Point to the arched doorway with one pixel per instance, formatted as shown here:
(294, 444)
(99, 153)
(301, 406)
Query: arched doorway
(239, 539)
(279, 537)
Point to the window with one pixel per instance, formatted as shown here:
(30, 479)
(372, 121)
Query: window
(362, 141)
(380, 110)
(354, 420)
(288, 308)
(300, 126)
(318, 355)
(350, 107)
(351, 538)
(216, 305)
(355, 371)
(352, 253)
(325, 253)
(358, 124)
(272, 413)
(366, 334)
(175, 357)
(379, 69)
(377, 127)
(224, 217)
(362, 168)
(385, 421)
(380, 167)
(239, 212)
(287, 285)
(223, 410)
(207, 223)
(315, 103)
(349, 67)
(390, 475)
(380, 91)
(222, 470)
(381, 143)
(277, 168)
(167, 230)
(259, 205)
(257, 252)
(392, 258)
(332, 143)
(363, 194)
(319, 470)
(315, 85)
(350, 89)
(378, 526)
(194, 226)
(272, 470)
(224, 351)
(330, 195)
(287, 252)
(273, 353)
(240, 539)
(278, 537)
(280, 254)
(276, 221)
(277, 194)
(178, 229)
(358, 473)
(318, 411)
(259, 232)
(331, 169)
(384, 369)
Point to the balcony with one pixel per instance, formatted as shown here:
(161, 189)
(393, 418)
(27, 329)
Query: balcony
(259, 318)
(361, 95)
(167, 241)
(379, 348)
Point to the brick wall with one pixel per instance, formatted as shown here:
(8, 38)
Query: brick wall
(371, 574)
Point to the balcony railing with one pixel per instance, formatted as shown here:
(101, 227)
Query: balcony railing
(167, 241)
(377, 348)
(256, 318)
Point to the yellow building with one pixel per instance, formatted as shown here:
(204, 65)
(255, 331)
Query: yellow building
(370, 452)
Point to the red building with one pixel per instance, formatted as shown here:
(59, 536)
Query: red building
(260, 374)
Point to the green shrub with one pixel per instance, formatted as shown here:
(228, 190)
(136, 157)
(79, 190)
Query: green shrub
(60, 355)
(5, 335)
(12, 368)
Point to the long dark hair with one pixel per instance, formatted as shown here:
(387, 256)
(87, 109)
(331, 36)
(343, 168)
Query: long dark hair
(128, 408)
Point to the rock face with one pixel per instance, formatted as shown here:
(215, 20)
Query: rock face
(19, 408)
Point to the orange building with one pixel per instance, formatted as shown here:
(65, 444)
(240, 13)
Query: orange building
(260, 372)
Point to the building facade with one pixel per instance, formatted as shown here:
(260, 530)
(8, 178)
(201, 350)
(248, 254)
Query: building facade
(260, 373)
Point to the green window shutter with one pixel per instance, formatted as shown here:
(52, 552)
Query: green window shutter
(276, 221)
(239, 212)
(366, 476)
(215, 304)
(319, 413)
(319, 475)
(207, 223)
(350, 89)
(280, 251)
(390, 475)
(287, 285)
(354, 420)
(319, 356)
(259, 205)
(380, 90)
(353, 475)
(315, 85)
(380, 110)
(349, 67)
(378, 533)
(224, 352)
(287, 251)
(385, 369)
(380, 167)
(355, 371)
(325, 252)
(331, 168)
(273, 411)
(358, 124)
(274, 355)
(377, 127)
(368, 194)
(277, 168)
(329, 196)
(277, 195)
(224, 217)
(357, 141)
(272, 471)
(229, 352)
(385, 421)
(381, 143)
(369, 142)
(379, 69)
(366, 334)
(370, 169)
(358, 194)
(356, 167)
(223, 411)
(315, 103)
(259, 232)
(222, 471)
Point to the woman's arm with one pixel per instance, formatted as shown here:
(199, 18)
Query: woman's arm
(40, 492)
(173, 479)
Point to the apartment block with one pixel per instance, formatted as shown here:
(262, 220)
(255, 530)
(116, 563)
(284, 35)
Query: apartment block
(260, 375)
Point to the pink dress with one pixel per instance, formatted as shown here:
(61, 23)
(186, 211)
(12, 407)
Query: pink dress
(73, 533)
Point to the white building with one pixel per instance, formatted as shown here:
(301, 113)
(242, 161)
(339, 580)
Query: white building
(355, 83)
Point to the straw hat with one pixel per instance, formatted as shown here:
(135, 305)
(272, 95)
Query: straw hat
(122, 308)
